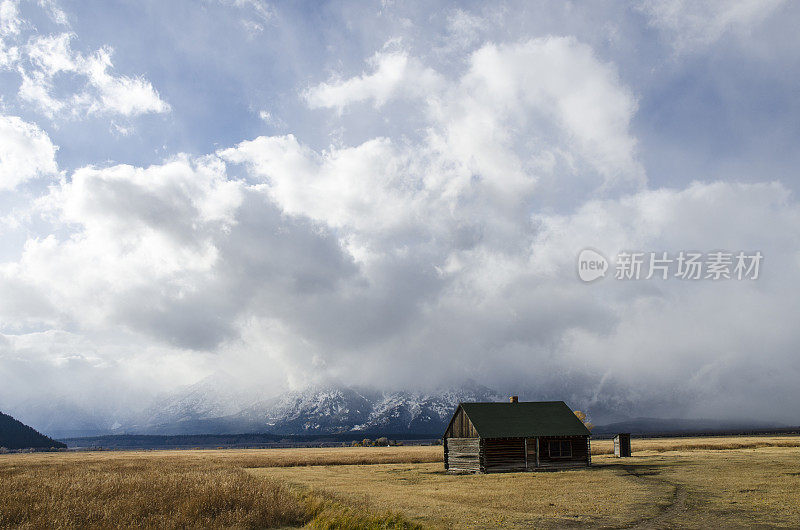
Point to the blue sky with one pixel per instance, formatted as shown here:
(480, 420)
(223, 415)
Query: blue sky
(298, 192)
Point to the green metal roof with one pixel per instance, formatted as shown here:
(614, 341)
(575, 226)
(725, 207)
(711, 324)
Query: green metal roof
(524, 419)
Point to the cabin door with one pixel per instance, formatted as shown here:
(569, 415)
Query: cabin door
(531, 453)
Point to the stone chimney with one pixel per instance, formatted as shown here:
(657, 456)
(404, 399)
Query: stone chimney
(514, 399)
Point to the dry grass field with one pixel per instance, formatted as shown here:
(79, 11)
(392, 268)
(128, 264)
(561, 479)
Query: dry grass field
(688, 482)
(603, 447)
(695, 489)
(181, 489)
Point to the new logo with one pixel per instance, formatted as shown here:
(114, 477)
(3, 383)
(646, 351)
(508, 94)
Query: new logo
(591, 265)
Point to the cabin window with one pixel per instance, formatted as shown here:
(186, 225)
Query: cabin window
(560, 448)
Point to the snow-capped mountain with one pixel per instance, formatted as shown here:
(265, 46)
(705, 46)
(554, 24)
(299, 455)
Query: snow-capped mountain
(419, 412)
(213, 397)
(325, 409)
(209, 408)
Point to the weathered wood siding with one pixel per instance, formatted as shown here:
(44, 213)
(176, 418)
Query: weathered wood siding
(460, 426)
(532, 449)
(498, 455)
(581, 453)
(504, 454)
(588, 451)
(462, 455)
(622, 445)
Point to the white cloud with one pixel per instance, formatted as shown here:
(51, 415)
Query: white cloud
(395, 75)
(26, 152)
(9, 26)
(479, 285)
(138, 226)
(36, 89)
(447, 239)
(144, 242)
(692, 25)
(60, 81)
(105, 93)
(548, 97)
(181, 255)
(10, 21)
(463, 28)
(120, 94)
(52, 54)
(366, 188)
(95, 386)
(55, 12)
(697, 337)
(271, 120)
(134, 227)
(520, 110)
(466, 29)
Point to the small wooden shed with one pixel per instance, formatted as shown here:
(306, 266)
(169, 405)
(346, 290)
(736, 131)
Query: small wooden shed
(622, 444)
(516, 436)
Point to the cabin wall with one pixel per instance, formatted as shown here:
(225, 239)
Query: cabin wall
(520, 454)
(461, 427)
(463, 455)
(499, 455)
(580, 452)
(504, 454)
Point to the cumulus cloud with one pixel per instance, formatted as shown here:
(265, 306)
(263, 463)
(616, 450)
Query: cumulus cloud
(395, 75)
(278, 289)
(424, 214)
(433, 240)
(138, 227)
(522, 112)
(26, 152)
(369, 187)
(548, 96)
(481, 314)
(175, 252)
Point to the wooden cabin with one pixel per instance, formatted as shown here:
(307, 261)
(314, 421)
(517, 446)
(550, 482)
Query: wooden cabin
(515, 436)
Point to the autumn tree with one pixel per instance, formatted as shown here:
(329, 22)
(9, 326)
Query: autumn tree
(584, 419)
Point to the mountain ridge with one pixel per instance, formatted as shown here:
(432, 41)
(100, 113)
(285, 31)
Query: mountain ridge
(218, 405)
(322, 409)
(16, 435)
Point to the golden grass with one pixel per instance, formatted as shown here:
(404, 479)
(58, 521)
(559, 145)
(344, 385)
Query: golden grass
(601, 447)
(703, 482)
(726, 488)
(119, 492)
(432, 498)
(249, 457)
(692, 488)
(175, 489)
